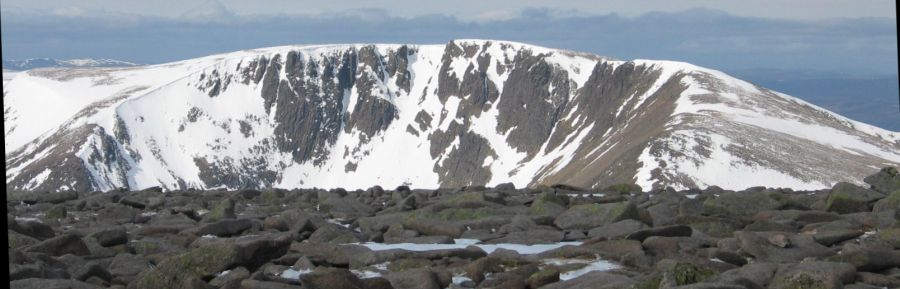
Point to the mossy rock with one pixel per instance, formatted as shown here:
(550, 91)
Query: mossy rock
(589, 216)
(224, 210)
(471, 200)
(740, 205)
(648, 283)
(687, 273)
(22, 196)
(624, 188)
(16, 240)
(408, 263)
(885, 181)
(543, 277)
(891, 236)
(456, 214)
(548, 204)
(199, 263)
(272, 196)
(799, 280)
(464, 198)
(713, 226)
(846, 198)
(56, 212)
(146, 247)
(891, 202)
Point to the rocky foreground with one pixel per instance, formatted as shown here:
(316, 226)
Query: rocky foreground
(472, 237)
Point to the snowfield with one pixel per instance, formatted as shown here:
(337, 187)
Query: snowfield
(206, 123)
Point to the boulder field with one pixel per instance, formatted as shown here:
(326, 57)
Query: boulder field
(557, 236)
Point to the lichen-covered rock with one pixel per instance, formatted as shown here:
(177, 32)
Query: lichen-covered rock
(542, 235)
(224, 210)
(16, 240)
(334, 234)
(56, 212)
(757, 244)
(885, 181)
(199, 263)
(890, 236)
(110, 236)
(418, 278)
(891, 202)
(618, 229)
(740, 205)
(34, 229)
(548, 204)
(868, 257)
(543, 277)
(434, 227)
(125, 267)
(685, 274)
(667, 231)
(35, 283)
(595, 280)
(848, 198)
(814, 275)
(231, 279)
(222, 228)
(623, 188)
(345, 208)
(754, 275)
(61, 245)
(331, 278)
(589, 216)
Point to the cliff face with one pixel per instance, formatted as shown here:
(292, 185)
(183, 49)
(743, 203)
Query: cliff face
(470, 112)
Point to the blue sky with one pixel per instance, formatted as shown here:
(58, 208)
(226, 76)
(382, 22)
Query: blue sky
(857, 37)
(839, 54)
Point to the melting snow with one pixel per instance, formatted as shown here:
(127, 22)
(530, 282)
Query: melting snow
(463, 243)
(292, 273)
(153, 101)
(590, 266)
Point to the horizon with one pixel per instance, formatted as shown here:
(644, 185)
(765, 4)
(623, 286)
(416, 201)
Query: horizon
(860, 42)
(409, 144)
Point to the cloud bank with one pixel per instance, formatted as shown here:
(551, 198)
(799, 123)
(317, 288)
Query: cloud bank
(705, 37)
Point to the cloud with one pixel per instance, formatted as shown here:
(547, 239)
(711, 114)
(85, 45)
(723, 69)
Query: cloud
(68, 12)
(210, 11)
(706, 37)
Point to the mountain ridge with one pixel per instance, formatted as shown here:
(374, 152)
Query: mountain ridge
(33, 63)
(470, 112)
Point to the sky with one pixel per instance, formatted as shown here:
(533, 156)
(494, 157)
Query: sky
(473, 9)
(855, 37)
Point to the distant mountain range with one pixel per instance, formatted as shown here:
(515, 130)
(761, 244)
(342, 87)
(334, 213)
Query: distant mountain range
(871, 99)
(33, 63)
(469, 112)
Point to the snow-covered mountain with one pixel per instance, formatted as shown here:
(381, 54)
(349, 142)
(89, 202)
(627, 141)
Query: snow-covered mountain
(468, 112)
(8, 75)
(33, 63)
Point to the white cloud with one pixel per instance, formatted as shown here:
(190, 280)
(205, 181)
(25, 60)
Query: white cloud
(68, 12)
(470, 10)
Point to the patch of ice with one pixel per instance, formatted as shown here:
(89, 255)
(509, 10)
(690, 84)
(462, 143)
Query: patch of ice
(459, 279)
(381, 266)
(292, 273)
(463, 243)
(21, 219)
(363, 274)
(338, 222)
(590, 266)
